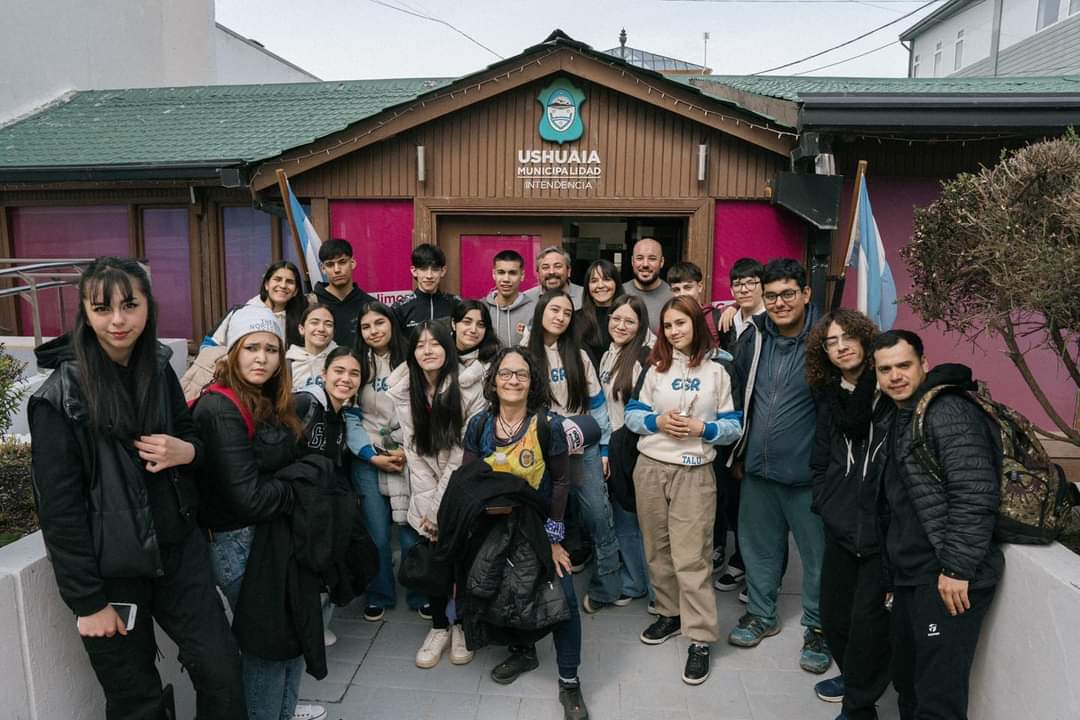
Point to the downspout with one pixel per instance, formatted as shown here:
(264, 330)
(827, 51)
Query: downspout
(910, 56)
(995, 37)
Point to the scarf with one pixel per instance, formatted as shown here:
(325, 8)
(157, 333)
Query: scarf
(852, 410)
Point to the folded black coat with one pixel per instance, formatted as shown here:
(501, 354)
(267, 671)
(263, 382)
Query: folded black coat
(321, 544)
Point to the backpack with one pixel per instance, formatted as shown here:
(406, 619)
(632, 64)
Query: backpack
(1035, 503)
(249, 421)
(623, 454)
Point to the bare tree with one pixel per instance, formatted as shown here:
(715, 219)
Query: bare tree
(999, 253)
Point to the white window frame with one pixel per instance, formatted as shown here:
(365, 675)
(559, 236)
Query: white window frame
(937, 59)
(958, 51)
(915, 64)
(1039, 8)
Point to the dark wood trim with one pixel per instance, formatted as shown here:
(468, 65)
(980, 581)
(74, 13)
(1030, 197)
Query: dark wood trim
(196, 270)
(277, 249)
(9, 311)
(320, 216)
(136, 244)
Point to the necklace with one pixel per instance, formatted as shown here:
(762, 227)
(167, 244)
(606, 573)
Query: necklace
(508, 430)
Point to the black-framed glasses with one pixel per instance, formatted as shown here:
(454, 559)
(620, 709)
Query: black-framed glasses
(745, 284)
(787, 296)
(505, 375)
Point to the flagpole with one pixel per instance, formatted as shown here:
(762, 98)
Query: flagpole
(283, 186)
(838, 289)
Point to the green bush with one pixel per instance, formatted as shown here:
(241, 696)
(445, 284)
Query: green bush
(11, 371)
(18, 516)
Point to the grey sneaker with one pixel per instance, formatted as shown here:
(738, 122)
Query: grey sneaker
(751, 630)
(815, 657)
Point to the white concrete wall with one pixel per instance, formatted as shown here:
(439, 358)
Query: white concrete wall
(48, 47)
(44, 671)
(975, 20)
(238, 62)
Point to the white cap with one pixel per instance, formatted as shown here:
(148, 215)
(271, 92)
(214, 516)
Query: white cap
(252, 319)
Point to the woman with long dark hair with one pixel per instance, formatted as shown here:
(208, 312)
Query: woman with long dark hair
(620, 369)
(250, 428)
(435, 398)
(574, 389)
(473, 334)
(508, 437)
(378, 469)
(850, 455)
(110, 429)
(602, 289)
(685, 410)
(281, 290)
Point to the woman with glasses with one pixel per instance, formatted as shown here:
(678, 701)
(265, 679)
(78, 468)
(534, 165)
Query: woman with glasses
(507, 436)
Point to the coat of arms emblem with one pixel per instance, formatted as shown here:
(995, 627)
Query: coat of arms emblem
(561, 121)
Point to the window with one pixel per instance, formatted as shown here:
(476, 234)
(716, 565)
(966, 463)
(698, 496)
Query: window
(165, 244)
(248, 252)
(915, 64)
(937, 59)
(958, 55)
(1074, 7)
(1047, 13)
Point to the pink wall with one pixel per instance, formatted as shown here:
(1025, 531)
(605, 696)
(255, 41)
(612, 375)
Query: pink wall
(380, 232)
(478, 252)
(752, 229)
(893, 200)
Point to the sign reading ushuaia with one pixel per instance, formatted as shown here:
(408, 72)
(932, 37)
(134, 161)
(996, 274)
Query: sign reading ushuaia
(561, 122)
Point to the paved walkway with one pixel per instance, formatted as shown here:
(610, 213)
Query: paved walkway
(373, 674)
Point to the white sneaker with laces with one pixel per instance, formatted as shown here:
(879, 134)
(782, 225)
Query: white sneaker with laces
(434, 646)
(309, 712)
(460, 654)
(329, 638)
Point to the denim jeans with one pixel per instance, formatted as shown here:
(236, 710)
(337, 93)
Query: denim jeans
(382, 590)
(271, 686)
(635, 571)
(566, 635)
(590, 490)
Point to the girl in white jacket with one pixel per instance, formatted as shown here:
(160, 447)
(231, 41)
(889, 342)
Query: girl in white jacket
(686, 409)
(435, 398)
(378, 468)
(307, 361)
(473, 335)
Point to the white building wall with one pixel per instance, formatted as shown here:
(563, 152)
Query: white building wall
(976, 21)
(242, 62)
(48, 47)
(1018, 20)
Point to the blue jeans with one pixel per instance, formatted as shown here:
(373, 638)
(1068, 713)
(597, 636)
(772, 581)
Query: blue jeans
(590, 491)
(382, 590)
(271, 686)
(635, 572)
(566, 635)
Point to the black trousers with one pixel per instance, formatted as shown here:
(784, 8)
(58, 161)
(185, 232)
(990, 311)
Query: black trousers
(933, 652)
(185, 602)
(727, 512)
(856, 626)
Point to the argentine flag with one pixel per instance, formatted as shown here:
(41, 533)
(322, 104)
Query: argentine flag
(309, 239)
(877, 291)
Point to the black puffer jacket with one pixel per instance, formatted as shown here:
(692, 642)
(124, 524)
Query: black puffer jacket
(959, 513)
(100, 513)
(237, 485)
(419, 306)
(847, 477)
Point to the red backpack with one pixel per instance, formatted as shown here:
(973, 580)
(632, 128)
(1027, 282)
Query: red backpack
(249, 422)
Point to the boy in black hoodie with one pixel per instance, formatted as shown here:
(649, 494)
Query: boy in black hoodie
(343, 296)
(427, 302)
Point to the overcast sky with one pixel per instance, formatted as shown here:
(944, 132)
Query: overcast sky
(348, 39)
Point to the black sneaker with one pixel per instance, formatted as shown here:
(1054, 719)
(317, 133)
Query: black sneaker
(373, 613)
(697, 664)
(424, 611)
(579, 558)
(661, 630)
(572, 700)
(719, 560)
(521, 661)
(731, 579)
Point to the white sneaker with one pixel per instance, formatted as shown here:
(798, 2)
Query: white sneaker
(460, 654)
(434, 646)
(329, 638)
(309, 712)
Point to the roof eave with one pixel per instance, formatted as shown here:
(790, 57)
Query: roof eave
(229, 173)
(966, 113)
(943, 12)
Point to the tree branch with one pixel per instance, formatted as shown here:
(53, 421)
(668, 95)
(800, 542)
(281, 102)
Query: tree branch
(1063, 351)
(1006, 329)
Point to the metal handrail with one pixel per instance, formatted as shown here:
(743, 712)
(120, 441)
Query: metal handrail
(29, 270)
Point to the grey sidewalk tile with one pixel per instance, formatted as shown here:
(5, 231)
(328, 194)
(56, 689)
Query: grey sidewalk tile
(353, 628)
(789, 707)
(721, 697)
(322, 691)
(399, 639)
(541, 708)
(652, 714)
(498, 707)
(391, 672)
(381, 703)
(348, 648)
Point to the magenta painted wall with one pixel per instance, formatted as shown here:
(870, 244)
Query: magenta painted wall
(477, 253)
(893, 201)
(380, 232)
(752, 229)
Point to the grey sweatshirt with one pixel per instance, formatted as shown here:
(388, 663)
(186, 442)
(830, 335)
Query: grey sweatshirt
(510, 322)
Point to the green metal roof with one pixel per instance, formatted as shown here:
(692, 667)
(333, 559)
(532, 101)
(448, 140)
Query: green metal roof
(196, 124)
(795, 88)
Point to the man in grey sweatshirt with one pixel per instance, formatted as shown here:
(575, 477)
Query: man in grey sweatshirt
(511, 310)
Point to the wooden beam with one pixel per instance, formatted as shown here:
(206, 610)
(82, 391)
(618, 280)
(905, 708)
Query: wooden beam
(9, 310)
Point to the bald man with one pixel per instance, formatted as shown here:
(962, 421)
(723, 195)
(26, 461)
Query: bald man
(647, 260)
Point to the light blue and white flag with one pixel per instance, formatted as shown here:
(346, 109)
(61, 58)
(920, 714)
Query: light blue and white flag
(877, 290)
(309, 239)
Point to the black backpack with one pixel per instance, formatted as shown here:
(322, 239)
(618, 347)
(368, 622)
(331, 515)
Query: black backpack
(623, 453)
(1035, 503)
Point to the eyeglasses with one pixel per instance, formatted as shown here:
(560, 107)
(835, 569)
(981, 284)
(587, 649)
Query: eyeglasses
(747, 284)
(505, 375)
(787, 296)
(834, 341)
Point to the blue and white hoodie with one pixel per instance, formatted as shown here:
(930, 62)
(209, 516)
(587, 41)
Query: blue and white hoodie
(703, 392)
(560, 393)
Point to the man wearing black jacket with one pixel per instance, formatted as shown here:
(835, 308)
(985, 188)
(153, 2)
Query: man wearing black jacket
(343, 296)
(938, 529)
(427, 302)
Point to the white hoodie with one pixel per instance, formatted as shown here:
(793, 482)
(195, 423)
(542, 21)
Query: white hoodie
(306, 368)
(703, 392)
(560, 392)
(429, 476)
(615, 408)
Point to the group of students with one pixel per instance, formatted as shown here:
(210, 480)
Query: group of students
(724, 407)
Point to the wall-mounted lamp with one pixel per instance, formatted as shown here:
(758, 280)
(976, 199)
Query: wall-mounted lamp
(702, 151)
(421, 166)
